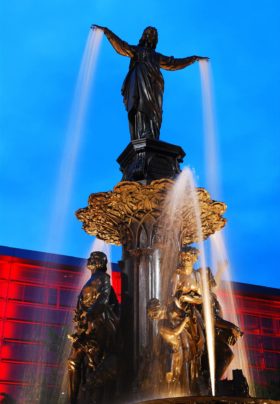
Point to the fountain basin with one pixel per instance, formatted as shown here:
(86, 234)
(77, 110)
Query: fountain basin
(209, 400)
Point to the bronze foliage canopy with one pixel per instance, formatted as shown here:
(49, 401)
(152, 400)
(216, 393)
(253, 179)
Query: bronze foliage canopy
(108, 214)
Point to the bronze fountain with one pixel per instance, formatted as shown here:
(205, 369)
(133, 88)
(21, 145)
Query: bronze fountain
(111, 354)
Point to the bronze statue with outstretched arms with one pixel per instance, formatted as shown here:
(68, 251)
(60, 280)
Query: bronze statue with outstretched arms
(143, 86)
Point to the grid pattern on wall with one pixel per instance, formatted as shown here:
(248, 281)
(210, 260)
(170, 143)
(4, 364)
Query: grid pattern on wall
(37, 295)
(36, 309)
(258, 313)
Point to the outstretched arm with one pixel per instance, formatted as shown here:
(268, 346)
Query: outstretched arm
(120, 46)
(171, 63)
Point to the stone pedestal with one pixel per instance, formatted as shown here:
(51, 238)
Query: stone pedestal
(146, 160)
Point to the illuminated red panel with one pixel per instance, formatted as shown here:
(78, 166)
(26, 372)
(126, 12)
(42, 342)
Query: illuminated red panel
(4, 267)
(23, 331)
(2, 310)
(3, 288)
(36, 304)
(27, 316)
(116, 281)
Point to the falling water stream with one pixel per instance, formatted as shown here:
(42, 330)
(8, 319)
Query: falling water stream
(165, 261)
(219, 254)
(57, 227)
(210, 131)
(69, 159)
(184, 191)
(226, 297)
(206, 295)
(68, 167)
(171, 225)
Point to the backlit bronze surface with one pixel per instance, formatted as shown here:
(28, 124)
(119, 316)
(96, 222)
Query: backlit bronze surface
(109, 214)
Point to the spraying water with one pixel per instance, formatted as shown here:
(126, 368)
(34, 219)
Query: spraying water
(165, 261)
(184, 192)
(220, 259)
(210, 131)
(156, 291)
(69, 159)
(58, 223)
(207, 301)
(68, 168)
(171, 226)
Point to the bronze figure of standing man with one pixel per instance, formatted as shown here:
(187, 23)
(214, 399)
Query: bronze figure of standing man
(143, 86)
(93, 358)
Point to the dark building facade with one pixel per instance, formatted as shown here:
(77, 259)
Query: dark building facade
(37, 294)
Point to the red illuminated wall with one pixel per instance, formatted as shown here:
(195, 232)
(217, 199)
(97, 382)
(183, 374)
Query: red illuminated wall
(37, 295)
(258, 311)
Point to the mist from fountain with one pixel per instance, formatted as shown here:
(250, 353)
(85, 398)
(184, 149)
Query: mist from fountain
(171, 222)
(183, 192)
(65, 182)
(57, 227)
(206, 295)
(73, 140)
(211, 152)
(164, 262)
(171, 226)
(225, 293)
(219, 255)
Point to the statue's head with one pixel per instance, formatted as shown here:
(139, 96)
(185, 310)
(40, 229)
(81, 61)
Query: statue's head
(97, 260)
(149, 38)
(188, 257)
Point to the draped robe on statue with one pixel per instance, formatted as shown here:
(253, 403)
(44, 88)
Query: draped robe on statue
(143, 86)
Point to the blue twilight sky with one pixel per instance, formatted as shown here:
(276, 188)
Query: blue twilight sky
(42, 43)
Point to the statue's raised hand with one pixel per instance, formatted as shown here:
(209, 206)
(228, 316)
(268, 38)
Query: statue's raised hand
(95, 26)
